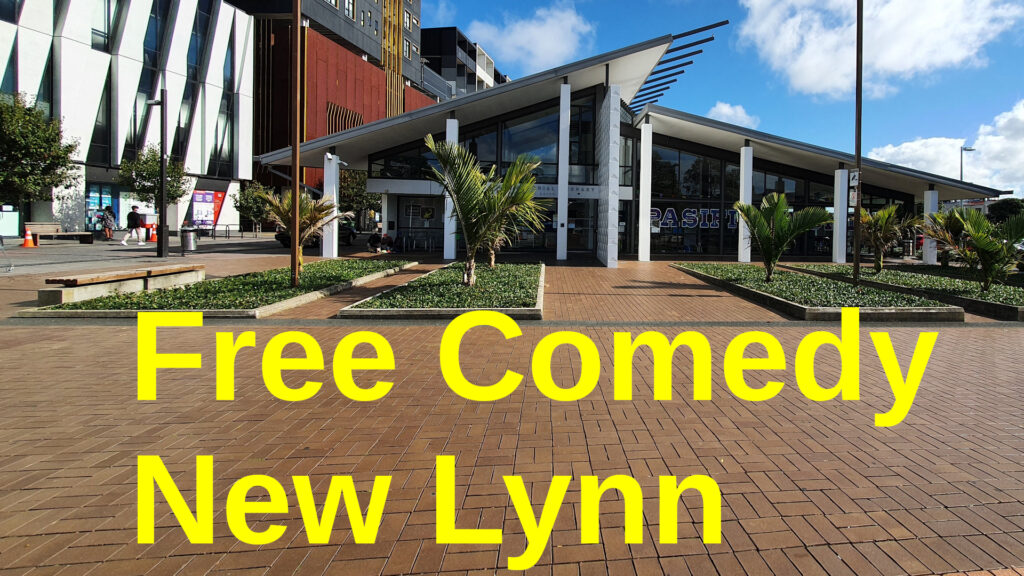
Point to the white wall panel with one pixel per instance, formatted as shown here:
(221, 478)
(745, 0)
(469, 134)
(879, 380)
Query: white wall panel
(133, 33)
(177, 55)
(243, 137)
(219, 46)
(33, 52)
(244, 47)
(125, 75)
(37, 15)
(78, 23)
(8, 32)
(83, 71)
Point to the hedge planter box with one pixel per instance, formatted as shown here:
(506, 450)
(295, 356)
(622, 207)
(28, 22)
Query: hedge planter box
(509, 290)
(995, 310)
(919, 312)
(240, 313)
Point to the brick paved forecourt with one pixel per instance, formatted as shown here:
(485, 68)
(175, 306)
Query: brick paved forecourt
(808, 488)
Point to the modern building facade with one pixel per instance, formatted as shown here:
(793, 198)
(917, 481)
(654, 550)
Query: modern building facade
(95, 64)
(655, 183)
(464, 65)
(360, 64)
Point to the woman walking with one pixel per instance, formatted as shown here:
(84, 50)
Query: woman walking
(109, 222)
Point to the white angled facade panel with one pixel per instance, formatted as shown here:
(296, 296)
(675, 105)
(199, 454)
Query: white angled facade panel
(79, 72)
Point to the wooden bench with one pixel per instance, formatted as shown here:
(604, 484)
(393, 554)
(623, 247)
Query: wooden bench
(52, 229)
(94, 285)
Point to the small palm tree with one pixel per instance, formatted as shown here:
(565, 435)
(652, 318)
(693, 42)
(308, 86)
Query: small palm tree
(313, 216)
(488, 208)
(513, 203)
(991, 249)
(773, 228)
(884, 229)
(947, 228)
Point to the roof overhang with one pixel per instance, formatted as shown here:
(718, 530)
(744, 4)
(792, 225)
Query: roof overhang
(627, 67)
(773, 148)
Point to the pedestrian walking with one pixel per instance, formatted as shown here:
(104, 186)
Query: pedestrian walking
(109, 220)
(134, 227)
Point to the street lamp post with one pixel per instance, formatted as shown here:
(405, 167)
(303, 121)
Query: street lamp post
(857, 144)
(296, 247)
(161, 230)
(962, 150)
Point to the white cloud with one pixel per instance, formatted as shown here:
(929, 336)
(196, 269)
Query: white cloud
(733, 114)
(551, 36)
(813, 42)
(436, 14)
(996, 161)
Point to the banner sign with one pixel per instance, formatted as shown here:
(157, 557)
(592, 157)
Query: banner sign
(692, 218)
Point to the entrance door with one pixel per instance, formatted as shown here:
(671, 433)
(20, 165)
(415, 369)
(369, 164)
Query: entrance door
(582, 225)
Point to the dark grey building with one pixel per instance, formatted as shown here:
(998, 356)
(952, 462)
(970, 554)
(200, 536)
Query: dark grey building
(463, 64)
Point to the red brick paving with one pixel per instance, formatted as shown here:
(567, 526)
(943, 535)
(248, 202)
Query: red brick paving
(809, 488)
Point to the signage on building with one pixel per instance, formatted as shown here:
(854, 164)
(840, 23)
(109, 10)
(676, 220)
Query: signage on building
(206, 207)
(575, 191)
(690, 218)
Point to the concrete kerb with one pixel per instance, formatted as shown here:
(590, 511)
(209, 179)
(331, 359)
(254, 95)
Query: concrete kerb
(252, 313)
(995, 310)
(352, 312)
(829, 314)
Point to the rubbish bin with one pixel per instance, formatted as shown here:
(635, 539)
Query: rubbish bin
(189, 239)
(908, 248)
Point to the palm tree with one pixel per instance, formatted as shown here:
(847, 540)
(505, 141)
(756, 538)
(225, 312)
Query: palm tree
(884, 229)
(313, 216)
(991, 249)
(512, 202)
(488, 208)
(773, 227)
(947, 228)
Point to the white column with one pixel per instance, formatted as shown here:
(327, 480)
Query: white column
(839, 219)
(562, 234)
(746, 197)
(931, 206)
(329, 241)
(644, 201)
(384, 213)
(451, 135)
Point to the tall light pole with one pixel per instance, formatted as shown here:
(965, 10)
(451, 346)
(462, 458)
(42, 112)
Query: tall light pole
(962, 150)
(860, 107)
(161, 230)
(296, 133)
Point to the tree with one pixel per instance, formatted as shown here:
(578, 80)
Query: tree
(142, 177)
(313, 216)
(352, 194)
(512, 201)
(884, 229)
(488, 207)
(990, 249)
(773, 228)
(947, 228)
(1002, 210)
(34, 159)
(251, 202)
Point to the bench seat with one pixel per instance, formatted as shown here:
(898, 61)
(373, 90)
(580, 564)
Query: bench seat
(87, 286)
(52, 229)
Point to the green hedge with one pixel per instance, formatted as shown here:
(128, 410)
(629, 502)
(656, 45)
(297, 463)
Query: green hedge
(507, 286)
(955, 281)
(809, 290)
(240, 292)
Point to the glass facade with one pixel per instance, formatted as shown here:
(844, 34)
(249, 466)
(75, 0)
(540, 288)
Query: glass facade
(533, 132)
(104, 18)
(190, 98)
(223, 153)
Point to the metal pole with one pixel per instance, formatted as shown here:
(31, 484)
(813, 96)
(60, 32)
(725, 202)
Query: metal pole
(296, 133)
(857, 143)
(961, 163)
(161, 239)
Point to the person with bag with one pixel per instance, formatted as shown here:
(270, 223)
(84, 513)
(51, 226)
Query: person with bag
(109, 221)
(134, 227)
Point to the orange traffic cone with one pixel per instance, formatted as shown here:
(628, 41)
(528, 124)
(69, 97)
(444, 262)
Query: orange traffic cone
(152, 235)
(29, 242)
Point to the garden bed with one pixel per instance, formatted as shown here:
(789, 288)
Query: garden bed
(951, 285)
(254, 295)
(806, 297)
(516, 290)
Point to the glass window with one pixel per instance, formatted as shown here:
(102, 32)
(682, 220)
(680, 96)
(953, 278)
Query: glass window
(405, 49)
(732, 184)
(104, 18)
(820, 193)
(534, 135)
(350, 9)
(407, 20)
(664, 172)
(410, 163)
(10, 10)
(783, 185)
(582, 165)
(690, 168)
(9, 84)
(712, 185)
(99, 144)
(484, 145)
(625, 161)
(44, 96)
(223, 154)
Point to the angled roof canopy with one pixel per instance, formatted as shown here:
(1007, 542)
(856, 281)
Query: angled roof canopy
(627, 67)
(808, 156)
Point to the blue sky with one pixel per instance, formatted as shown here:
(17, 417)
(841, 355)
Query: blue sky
(941, 73)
